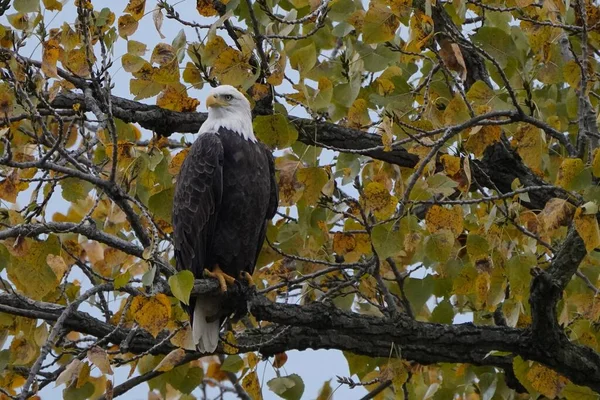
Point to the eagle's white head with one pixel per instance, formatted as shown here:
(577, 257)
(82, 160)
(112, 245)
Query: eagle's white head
(229, 109)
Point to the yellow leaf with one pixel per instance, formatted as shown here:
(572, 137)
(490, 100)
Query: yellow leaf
(358, 115)
(171, 360)
(277, 71)
(177, 161)
(167, 73)
(9, 188)
(377, 198)
(214, 372)
(482, 286)
(529, 143)
(215, 46)
(58, 265)
(325, 393)
(53, 5)
(588, 230)
(162, 54)
(176, 99)
(84, 375)
(76, 62)
(439, 218)
(451, 164)
(572, 73)
(289, 187)
(28, 269)
(152, 313)
(184, 339)
(142, 88)
(205, 8)
(556, 212)
(136, 48)
(6, 101)
(132, 62)
(252, 360)
(546, 381)
(229, 343)
(22, 351)
(127, 25)
(232, 68)
(259, 91)
(421, 30)
(50, 53)
(481, 137)
(568, 171)
(99, 358)
(136, 8)
(252, 386)
(595, 163)
(464, 283)
(313, 179)
(379, 24)
(456, 111)
(192, 75)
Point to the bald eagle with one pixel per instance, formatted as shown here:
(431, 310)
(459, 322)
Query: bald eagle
(224, 196)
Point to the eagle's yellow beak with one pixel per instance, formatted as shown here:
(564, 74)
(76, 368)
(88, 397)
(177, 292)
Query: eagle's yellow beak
(212, 101)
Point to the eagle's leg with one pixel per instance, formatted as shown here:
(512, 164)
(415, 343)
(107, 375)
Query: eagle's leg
(247, 277)
(221, 276)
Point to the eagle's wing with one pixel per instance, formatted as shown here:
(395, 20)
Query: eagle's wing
(274, 195)
(273, 203)
(196, 202)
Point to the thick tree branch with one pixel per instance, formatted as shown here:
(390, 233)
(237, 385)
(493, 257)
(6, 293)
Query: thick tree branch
(319, 326)
(165, 122)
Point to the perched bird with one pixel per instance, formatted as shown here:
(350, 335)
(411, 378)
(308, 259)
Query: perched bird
(225, 193)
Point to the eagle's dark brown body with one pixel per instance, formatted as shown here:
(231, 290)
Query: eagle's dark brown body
(225, 193)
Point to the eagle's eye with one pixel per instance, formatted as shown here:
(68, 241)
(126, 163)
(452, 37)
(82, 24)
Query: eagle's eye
(228, 97)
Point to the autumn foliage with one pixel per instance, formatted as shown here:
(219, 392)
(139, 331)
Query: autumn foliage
(438, 167)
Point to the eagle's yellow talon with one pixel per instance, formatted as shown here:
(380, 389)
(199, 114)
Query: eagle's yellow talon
(247, 277)
(221, 276)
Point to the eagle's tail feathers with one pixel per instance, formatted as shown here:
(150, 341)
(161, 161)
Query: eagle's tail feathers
(204, 333)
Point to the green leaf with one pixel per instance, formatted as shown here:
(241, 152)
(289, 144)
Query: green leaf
(275, 131)
(181, 285)
(443, 313)
(574, 392)
(418, 291)
(439, 245)
(480, 93)
(386, 240)
(161, 203)
(185, 378)
(477, 246)
(289, 387)
(74, 189)
(4, 356)
(360, 365)
(303, 59)
(487, 385)
(441, 184)
(26, 6)
(232, 363)
(497, 42)
(521, 368)
(75, 393)
(122, 279)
